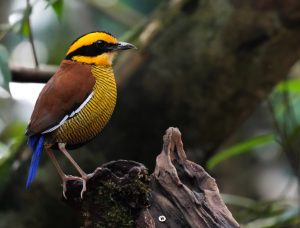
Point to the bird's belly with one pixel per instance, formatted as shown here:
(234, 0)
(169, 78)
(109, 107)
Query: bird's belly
(90, 120)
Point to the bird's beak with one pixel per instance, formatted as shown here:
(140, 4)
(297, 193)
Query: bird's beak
(124, 46)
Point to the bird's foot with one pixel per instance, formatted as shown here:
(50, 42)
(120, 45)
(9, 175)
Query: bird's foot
(67, 178)
(84, 178)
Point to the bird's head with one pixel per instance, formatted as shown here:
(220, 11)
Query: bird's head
(98, 48)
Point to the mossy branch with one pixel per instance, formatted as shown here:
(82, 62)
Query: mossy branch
(178, 194)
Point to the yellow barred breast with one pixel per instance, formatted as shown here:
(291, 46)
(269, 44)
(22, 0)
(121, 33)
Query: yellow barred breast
(90, 120)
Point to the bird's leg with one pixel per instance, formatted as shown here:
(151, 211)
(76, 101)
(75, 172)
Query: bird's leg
(65, 178)
(62, 147)
(84, 176)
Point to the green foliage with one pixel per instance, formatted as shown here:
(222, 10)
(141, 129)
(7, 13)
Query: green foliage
(254, 214)
(4, 28)
(25, 27)
(20, 25)
(11, 138)
(284, 107)
(290, 86)
(5, 75)
(287, 218)
(57, 6)
(285, 102)
(239, 148)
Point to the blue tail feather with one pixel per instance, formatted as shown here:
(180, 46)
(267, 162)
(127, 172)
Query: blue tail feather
(36, 143)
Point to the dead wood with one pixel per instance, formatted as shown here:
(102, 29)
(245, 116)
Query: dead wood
(178, 194)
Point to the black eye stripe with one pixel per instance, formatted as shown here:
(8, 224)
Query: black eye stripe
(101, 44)
(94, 49)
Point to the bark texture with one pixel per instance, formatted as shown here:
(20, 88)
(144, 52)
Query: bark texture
(178, 194)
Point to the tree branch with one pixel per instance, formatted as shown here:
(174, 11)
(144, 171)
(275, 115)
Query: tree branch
(37, 75)
(178, 194)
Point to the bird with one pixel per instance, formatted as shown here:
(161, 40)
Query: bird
(76, 103)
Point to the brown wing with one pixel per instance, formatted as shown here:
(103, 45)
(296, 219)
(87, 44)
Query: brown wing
(64, 92)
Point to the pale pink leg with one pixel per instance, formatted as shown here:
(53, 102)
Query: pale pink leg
(84, 177)
(65, 178)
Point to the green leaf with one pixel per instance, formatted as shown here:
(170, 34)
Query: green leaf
(11, 139)
(289, 218)
(57, 6)
(25, 30)
(240, 148)
(292, 86)
(4, 29)
(240, 201)
(5, 75)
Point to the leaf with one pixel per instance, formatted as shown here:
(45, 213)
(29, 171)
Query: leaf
(285, 103)
(289, 218)
(240, 148)
(11, 139)
(57, 6)
(292, 86)
(4, 29)
(240, 201)
(5, 75)
(25, 29)
(259, 213)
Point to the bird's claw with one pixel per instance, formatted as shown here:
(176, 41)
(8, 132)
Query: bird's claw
(64, 184)
(83, 187)
(83, 179)
(67, 178)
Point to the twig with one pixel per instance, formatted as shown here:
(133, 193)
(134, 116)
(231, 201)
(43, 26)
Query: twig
(23, 74)
(31, 36)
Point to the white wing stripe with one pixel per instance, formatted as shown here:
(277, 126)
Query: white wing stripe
(69, 116)
(82, 105)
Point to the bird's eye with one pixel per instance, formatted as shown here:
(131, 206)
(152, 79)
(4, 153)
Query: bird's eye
(99, 43)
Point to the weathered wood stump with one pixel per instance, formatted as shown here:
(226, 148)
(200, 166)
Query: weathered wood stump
(178, 194)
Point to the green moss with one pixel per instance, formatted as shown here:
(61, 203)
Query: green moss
(115, 202)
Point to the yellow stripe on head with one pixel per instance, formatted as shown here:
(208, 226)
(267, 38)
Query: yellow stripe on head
(90, 38)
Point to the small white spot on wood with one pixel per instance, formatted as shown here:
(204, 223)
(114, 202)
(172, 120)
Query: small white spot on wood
(162, 218)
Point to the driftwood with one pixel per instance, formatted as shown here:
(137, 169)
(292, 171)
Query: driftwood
(178, 194)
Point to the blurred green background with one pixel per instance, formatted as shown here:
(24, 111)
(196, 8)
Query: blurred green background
(255, 159)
